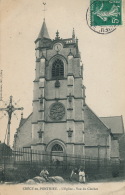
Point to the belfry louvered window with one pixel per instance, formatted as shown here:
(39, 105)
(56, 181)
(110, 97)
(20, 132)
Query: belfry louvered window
(57, 69)
(57, 148)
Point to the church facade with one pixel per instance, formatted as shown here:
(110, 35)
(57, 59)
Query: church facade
(61, 121)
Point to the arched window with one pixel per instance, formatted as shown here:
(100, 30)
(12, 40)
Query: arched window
(57, 148)
(57, 153)
(57, 69)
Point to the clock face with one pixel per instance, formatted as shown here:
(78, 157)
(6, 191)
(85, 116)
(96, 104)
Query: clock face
(57, 111)
(58, 47)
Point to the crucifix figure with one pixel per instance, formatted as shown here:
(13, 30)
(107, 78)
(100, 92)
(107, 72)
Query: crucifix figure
(70, 131)
(40, 133)
(9, 109)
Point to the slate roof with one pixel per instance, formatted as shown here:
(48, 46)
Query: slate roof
(87, 107)
(43, 32)
(115, 123)
(23, 120)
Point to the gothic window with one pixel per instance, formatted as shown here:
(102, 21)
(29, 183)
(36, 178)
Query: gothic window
(57, 148)
(57, 69)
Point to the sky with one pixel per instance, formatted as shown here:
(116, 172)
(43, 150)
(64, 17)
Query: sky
(103, 56)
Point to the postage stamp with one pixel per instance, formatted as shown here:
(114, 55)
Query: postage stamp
(105, 12)
(104, 16)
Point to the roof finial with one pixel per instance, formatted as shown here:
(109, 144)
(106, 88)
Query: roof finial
(44, 9)
(57, 35)
(73, 34)
(77, 50)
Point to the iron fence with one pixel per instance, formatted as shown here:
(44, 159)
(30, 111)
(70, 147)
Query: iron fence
(24, 163)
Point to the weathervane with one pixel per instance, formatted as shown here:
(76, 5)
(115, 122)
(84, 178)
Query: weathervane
(44, 9)
(9, 109)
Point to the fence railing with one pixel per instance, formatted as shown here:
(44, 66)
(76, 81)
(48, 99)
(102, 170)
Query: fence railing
(33, 156)
(25, 162)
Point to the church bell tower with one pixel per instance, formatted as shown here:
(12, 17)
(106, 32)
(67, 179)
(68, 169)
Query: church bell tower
(58, 96)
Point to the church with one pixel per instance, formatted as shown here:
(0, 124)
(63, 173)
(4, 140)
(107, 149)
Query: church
(61, 121)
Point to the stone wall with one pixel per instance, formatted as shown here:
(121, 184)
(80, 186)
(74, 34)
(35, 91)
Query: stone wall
(122, 147)
(97, 135)
(24, 133)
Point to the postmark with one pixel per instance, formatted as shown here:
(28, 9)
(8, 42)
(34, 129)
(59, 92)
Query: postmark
(104, 16)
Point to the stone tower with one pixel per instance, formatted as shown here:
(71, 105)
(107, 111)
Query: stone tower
(58, 125)
(58, 96)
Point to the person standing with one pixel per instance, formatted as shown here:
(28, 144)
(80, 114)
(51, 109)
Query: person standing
(81, 176)
(74, 174)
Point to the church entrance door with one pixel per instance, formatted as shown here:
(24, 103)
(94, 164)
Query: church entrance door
(57, 154)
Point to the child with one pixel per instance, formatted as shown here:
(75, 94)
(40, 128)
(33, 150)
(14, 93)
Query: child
(81, 176)
(44, 173)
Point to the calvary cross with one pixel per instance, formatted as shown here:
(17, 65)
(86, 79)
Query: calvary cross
(9, 109)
